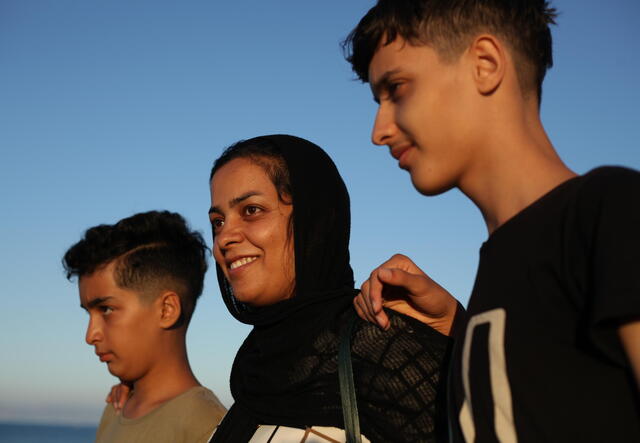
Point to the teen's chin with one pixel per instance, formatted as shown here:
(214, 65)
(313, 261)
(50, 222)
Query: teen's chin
(428, 187)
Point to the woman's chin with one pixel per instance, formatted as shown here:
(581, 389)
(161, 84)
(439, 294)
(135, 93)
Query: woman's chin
(256, 300)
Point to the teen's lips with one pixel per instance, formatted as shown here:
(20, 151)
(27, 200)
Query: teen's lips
(399, 153)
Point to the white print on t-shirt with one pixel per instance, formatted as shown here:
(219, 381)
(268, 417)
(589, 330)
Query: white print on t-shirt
(500, 389)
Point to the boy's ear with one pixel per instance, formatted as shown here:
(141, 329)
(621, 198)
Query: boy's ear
(489, 63)
(170, 309)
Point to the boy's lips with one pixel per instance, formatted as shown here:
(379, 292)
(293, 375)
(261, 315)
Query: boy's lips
(104, 356)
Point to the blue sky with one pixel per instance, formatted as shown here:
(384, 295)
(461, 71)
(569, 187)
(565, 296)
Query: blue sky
(116, 107)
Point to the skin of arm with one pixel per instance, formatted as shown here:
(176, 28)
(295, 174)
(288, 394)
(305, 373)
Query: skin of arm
(630, 338)
(400, 285)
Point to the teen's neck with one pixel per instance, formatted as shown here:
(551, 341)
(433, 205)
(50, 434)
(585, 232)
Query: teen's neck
(166, 380)
(518, 165)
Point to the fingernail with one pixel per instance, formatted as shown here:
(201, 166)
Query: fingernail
(384, 273)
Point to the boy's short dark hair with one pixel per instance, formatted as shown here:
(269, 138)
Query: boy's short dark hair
(448, 26)
(152, 251)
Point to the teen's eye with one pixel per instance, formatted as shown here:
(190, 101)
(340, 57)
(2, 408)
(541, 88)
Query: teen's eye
(106, 310)
(394, 89)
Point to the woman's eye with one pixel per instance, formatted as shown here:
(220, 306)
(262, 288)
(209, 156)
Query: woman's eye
(217, 223)
(251, 210)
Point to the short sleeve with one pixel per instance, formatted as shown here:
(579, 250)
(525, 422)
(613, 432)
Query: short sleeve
(613, 198)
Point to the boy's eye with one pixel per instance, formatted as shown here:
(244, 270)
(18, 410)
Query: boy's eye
(106, 310)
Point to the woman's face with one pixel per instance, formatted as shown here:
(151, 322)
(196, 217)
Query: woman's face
(250, 228)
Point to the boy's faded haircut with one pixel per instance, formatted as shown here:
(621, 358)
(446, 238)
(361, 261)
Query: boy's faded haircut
(152, 251)
(448, 27)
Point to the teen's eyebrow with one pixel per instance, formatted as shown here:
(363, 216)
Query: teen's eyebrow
(382, 84)
(234, 201)
(95, 302)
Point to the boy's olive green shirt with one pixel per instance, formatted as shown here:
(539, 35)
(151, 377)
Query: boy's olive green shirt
(190, 417)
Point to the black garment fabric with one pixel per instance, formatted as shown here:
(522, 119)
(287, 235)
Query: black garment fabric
(541, 360)
(286, 371)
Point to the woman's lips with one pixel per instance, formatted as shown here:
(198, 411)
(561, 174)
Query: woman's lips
(241, 262)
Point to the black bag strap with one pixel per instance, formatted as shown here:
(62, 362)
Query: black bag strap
(347, 387)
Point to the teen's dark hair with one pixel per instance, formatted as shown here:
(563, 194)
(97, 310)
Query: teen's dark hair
(153, 251)
(449, 25)
(263, 153)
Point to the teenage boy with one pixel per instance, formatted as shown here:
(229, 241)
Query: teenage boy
(552, 341)
(139, 280)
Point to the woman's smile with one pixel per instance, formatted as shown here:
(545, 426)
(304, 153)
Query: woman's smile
(241, 262)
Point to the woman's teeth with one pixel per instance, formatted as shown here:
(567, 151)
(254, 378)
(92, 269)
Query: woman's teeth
(242, 261)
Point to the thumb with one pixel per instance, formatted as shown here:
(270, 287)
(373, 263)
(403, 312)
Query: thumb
(415, 285)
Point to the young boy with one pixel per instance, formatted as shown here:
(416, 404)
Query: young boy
(553, 338)
(139, 280)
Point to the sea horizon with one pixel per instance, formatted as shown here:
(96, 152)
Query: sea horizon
(32, 432)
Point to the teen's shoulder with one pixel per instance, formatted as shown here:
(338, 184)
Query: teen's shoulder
(612, 176)
(609, 193)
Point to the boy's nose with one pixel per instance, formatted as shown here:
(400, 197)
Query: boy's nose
(94, 334)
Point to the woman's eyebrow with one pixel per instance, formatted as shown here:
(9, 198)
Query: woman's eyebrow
(234, 201)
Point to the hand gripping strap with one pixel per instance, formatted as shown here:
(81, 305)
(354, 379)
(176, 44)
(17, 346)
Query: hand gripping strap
(347, 388)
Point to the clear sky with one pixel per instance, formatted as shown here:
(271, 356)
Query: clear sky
(108, 108)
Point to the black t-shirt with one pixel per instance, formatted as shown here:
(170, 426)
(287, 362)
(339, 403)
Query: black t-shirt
(540, 359)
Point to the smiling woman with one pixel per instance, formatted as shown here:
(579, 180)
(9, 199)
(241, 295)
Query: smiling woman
(249, 222)
(280, 218)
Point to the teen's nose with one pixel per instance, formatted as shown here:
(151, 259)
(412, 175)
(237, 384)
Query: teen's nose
(384, 127)
(94, 332)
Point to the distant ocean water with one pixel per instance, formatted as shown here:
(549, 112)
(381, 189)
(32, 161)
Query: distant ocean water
(33, 433)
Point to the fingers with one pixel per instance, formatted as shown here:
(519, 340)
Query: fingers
(373, 293)
(416, 285)
(118, 396)
(122, 395)
(361, 309)
(370, 302)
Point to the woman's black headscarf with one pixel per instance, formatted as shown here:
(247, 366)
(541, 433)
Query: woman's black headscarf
(321, 227)
(285, 373)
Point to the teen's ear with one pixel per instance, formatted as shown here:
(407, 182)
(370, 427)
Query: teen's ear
(170, 309)
(489, 63)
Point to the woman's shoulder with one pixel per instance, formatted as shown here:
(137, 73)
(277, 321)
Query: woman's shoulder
(405, 338)
(400, 375)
